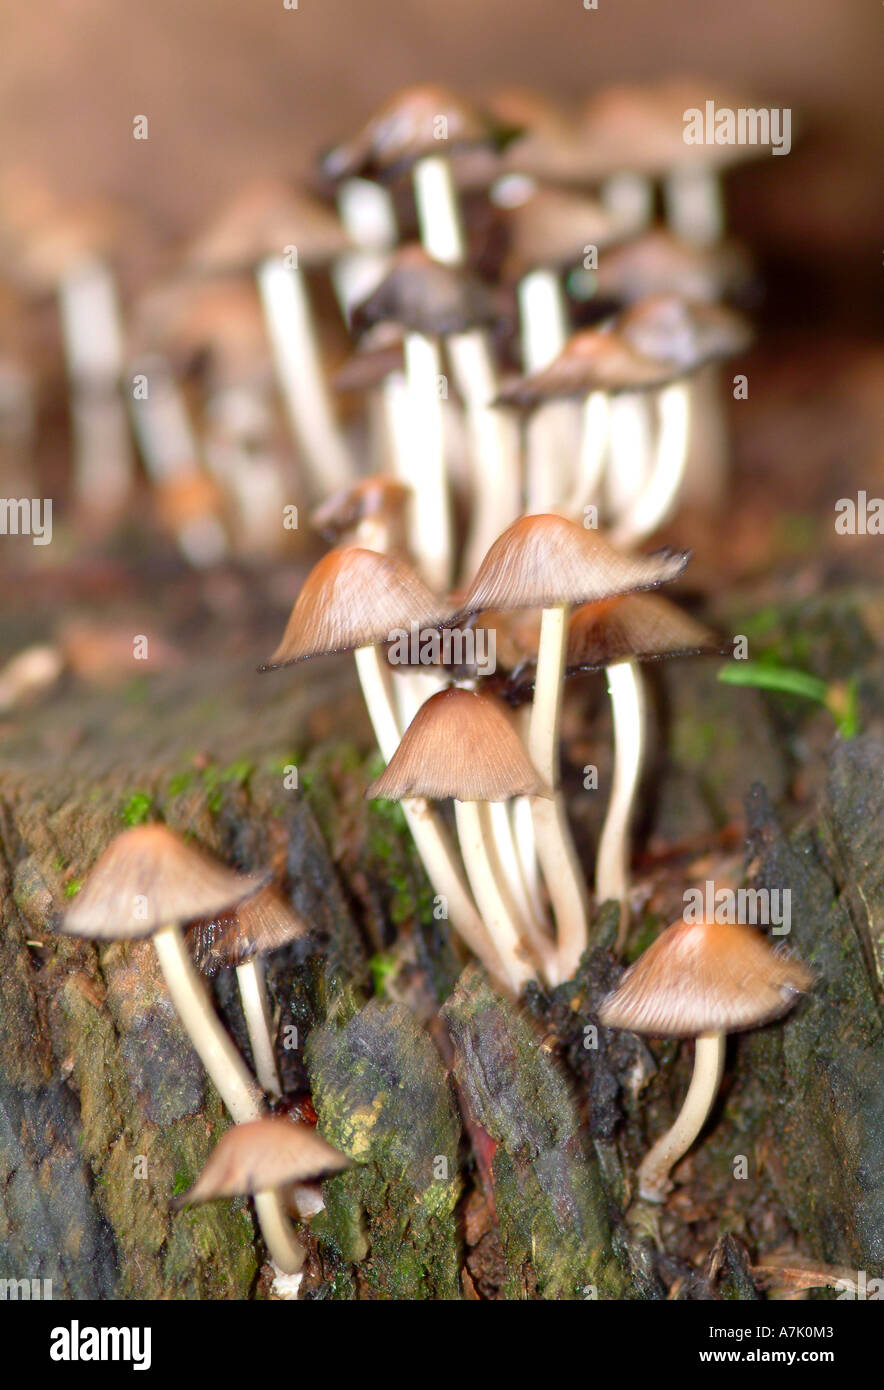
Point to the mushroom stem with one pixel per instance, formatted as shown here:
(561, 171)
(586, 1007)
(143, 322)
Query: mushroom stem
(429, 511)
(217, 1053)
(367, 214)
(283, 1246)
(555, 848)
(695, 206)
(544, 329)
(612, 858)
(630, 452)
(594, 426)
(654, 1170)
(299, 370)
(484, 880)
(629, 197)
(438, 211)
(256, 1011)
(528, 914)
(429, 834)
(496, 474)
(660, 492)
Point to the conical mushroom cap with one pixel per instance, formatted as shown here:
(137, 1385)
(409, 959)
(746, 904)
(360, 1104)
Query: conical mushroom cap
(636, 627)
(682, 335)
(553, 228)
(660, 263)
(260, 1156)
(460, 745)
(705, 978)
(262, 220)
(591, 360)
(149, 878)
(377, 496)
(422, 120)
(263, 923)
(544, 560)
(425, 296)
(355, 598)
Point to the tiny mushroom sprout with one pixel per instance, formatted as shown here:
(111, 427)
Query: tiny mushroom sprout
(462, 745)
(368, 514)
(355, 600)
(261, 924)
(700, 980)
(266, 1159)
(548, 562)
(149, 882)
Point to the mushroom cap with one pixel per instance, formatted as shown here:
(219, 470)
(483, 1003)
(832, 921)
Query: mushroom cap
(262, 1155)
(220, 317)
(263, 923)
(425, 296)
(705, 978)
(263, 219)
(635, 627)
(545, 560)
(67, 239)
(355, 598)
(377, 496)
(149, 878)
(681, 334)
(462, 745)
(660, 263)
(553, 227)
(405, 129)
(591, 360)
(379, 353)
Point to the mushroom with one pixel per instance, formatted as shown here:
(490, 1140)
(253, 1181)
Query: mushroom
(368, 514)
(353, 600)
(280, 234)
(147, 883)
(263, 1160)
(241, 938)
(461, 744)
(551, 563)
(700, 980)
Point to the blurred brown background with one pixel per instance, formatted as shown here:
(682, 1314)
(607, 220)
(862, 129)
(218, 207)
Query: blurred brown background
(238, 87)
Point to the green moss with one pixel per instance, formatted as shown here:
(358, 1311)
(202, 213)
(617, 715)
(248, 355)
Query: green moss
(137, 808)
(72, 889)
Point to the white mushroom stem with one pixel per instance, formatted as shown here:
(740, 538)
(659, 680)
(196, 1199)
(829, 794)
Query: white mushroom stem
(283, 1246)
(526, 913)
(301, 380)
(526, 849)
(658, 498)
(694, 205)
(629, 197)
(707, 465)
(239, 454)
(653, 1173)
(430, 509)
(367, 214)
(561, 868)
(594, 426)
(612, 859)
(438, 210)
(543, 322)
(429, 834)
(217, 1053)
(494, 445)
(484, 879)
(93, 341)
(256, 1011)
(397, 427)
(630, 453)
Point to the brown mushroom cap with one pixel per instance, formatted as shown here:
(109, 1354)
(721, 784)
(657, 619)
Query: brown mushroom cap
(705, 978)
(379, 353)
(462, 745)
(355, 598)
(407, 128)
(263, 923)
(377, 496)
(263, 219)
(425, 296)
(261, 1156)
(667, 329)
(544, 560)
(591, 360)
(149, 878)
(660, 263)
(553, 227)
(635, 627)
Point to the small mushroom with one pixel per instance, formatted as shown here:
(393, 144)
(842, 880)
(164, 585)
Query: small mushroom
(700, 980)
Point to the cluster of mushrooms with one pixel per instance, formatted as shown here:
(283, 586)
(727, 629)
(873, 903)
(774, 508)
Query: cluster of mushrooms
(495, 506)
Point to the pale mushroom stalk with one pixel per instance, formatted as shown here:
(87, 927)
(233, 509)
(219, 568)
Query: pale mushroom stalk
(429, 834)
(653, 1173)
(544, 330)
(256, 1011)
(367, 215)
(484, 879)
(526, 848)
(496, 474)
(629, 197)
(555, 848)
(217, 1053)
(659, 495)
(283, 1246)
(594, 428)
(694, 205)
(90, 320)
(239, 454)
(526, 913)
(301, 379)
(430, 511)
(438, 211)
(630, 452)
(612, 858)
